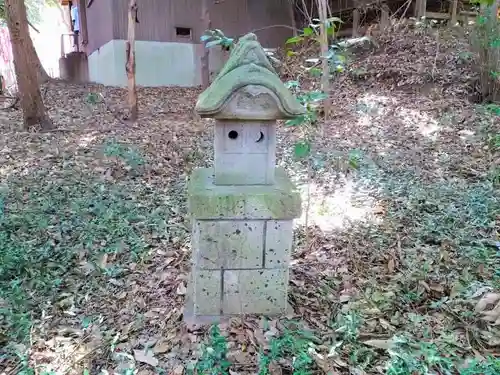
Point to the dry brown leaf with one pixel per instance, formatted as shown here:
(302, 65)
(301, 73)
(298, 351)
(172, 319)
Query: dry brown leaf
(179, 370)
(380, 344)
(181, 289)
(487, 299)
(391, 265)
(493, 315)
(437, 287)
(145, 357)
(162, 346)
(275, 368)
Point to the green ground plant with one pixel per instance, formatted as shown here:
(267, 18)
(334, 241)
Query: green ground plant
(485, 41)
(52, 222)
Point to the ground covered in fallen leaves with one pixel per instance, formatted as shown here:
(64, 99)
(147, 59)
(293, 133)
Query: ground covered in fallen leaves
(397, 271)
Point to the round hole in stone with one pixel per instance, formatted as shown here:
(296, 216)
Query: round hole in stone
(233, 134)
(261, 137)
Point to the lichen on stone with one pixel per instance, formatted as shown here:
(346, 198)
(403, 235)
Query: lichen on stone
(209, 201)
(247, 65)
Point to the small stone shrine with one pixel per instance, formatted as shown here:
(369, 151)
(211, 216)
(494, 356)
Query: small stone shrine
(243, 209)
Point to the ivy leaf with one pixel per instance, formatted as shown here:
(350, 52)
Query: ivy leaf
(292, 84)
(335, 19)
(315, 72)
(204, 38)
(302, 149)
(316, 96)
(296, 121)
(308, 31)
(294, 39)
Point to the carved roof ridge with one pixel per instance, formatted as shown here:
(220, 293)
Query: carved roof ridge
(247, 65)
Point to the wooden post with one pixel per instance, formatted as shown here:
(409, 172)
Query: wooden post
(421, 8)
(454, 7)
(130, 60)
(384, 17)
(325, 76)
(205, 58)
(355, 23)
(82, 16)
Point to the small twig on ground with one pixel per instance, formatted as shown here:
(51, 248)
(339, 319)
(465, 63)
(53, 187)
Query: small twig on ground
(435, 57)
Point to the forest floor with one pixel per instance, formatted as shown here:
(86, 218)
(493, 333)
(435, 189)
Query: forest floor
(397, 272)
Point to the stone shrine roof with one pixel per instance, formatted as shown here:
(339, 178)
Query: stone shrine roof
(248, 65)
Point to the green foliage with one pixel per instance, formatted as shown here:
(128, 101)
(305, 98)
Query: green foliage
(485, 40)
(92, 98)
(347, 326)
(293, 344)
(311, 101)
(216, 37)
(332, 26)
(128, 154)
(213, 360)
(49, 225)
(34, 9)
(475, 367)
(335, 55)
(422, 358)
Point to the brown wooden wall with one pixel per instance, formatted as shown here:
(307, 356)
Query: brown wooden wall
(99, 24)
(158, 19)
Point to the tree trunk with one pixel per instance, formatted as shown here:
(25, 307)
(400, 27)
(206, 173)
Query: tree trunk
(130, 58)
(41, 73)
(25, 67)
(325, 77)
(205, 65)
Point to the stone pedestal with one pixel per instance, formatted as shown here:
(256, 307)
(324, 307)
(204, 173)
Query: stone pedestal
(242, 239)
(243, 209)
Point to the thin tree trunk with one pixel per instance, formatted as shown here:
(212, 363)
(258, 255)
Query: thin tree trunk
(130, 58)
(22, 50)
(40, 71)
(205, 58)
(291, 10)
(325, 77)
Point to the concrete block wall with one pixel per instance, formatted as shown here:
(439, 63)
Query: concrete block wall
(240, 266)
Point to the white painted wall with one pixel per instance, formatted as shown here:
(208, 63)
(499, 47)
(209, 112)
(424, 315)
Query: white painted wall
(157, 64)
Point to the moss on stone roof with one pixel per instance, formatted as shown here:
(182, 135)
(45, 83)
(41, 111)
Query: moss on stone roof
(247, 65)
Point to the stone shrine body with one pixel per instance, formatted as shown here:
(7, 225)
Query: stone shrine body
(243, 209)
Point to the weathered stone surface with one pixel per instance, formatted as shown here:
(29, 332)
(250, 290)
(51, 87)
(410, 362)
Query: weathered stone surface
(248, 88)
(209, 201)
(255, 291)
(248, 147)
(252, 102)
(279, 239)
(228, 244)
(242, 209)
(206, 291)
